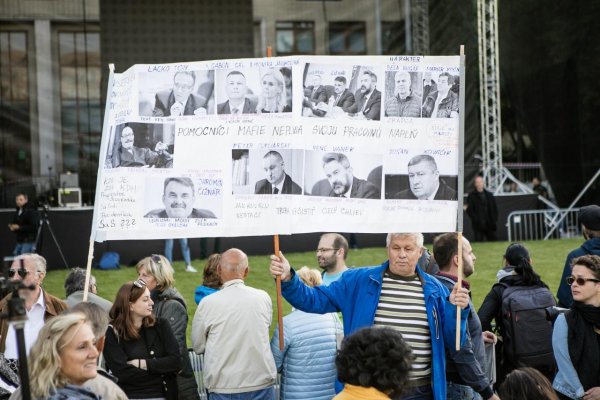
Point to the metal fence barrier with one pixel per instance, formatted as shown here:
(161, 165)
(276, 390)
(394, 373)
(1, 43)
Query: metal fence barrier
(537, 224)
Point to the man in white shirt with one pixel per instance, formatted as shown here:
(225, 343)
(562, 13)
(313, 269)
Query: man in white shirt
(39, 305)
(231, 328)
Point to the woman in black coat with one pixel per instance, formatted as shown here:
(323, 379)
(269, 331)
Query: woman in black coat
(140, 350)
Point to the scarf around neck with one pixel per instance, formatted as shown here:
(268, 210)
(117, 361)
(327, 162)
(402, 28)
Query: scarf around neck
(584, 347)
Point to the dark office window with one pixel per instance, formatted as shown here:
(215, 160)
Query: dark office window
(347, 38)
(393, 38)
(15, 123)
(79, 63)
(295, 37)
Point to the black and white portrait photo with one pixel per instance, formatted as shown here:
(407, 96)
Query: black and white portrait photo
(178, 199)
(422, 181)
(332, 174)
(141, 145)
(182, 93)
(275, 172)
(403, 94)
(440, 95)
(341, 91)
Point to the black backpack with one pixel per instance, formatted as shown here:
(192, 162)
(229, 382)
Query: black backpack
(527, 336)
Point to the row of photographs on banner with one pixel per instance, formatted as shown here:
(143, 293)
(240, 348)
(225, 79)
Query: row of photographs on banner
(327, 91)
(299, 172)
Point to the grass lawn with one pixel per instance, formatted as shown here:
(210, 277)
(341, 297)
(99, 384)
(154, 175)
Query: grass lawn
(548, 260)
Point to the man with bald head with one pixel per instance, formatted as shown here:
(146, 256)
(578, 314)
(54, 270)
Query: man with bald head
(231, 329)
(277, 180)
(404, 103)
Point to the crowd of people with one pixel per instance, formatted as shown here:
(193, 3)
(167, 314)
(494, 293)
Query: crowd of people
(381, 332)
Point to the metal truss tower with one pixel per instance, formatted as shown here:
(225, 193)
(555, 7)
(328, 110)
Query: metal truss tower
(420, 26)
(494, 173)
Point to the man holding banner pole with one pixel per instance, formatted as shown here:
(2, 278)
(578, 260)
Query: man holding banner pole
(398, 294)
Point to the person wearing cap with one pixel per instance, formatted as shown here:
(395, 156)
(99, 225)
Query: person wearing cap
(589, 217)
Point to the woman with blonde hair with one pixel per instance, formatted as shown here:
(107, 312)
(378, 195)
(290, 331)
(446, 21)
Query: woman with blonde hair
(62, 359)
(169, 304)
(273, 98)
(140, 350)
(307, 362)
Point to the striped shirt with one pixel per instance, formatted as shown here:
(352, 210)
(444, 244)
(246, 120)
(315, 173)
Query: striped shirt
(402, 307)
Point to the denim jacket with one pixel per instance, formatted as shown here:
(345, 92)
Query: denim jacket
(566, 380)
(356, 294)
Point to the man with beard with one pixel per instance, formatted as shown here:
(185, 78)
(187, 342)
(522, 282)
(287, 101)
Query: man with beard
(178, 198)
(331, 256)
(277, 181)
(404, 103)
(180, 100)
(368, 98)
(341, 181)
(465, 369)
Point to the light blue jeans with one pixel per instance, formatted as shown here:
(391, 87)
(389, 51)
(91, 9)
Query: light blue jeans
(263, 394)
(185, 250)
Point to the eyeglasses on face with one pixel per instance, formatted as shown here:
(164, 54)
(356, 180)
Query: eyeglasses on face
(580, 281)
(326, 249)
(139, 283)
(13, 272)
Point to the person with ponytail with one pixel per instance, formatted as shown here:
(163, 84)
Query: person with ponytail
(576, 336)
(518, 272)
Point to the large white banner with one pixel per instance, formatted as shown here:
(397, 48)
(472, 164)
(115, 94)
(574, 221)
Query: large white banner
(279, 146)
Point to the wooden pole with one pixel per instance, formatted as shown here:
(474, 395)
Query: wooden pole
(279, 298)
(278, 279)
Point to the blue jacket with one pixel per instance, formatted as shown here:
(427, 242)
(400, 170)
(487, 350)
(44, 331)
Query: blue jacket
(466, 367)
(564, 295)
(307, 362)
(566, 380)
(356, 294)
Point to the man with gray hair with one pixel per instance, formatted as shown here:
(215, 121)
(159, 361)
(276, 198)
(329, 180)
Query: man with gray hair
(40, 306)
(231, 329)
(424, 181)
(75, 286)
(397, 294)
(178, 198)
(341, 181)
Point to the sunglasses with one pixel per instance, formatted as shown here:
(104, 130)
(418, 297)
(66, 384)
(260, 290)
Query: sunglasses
(139, 283)
(156, 259)
(580, 281)
(13, 272)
